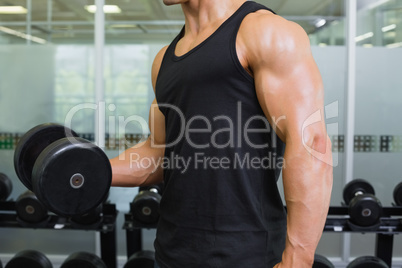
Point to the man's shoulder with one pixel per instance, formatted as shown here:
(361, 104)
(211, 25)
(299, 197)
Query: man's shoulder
(265, 33)
(267, 26)
(265, 19)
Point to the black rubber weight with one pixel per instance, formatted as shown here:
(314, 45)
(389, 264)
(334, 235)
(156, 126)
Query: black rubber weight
(1, 264)
(83, 260)
(30, 209)
(367, 262)
(357, 185)
(91, 217)
(32, 144)
(29, 258)
(6, 187)
(322, 262)
(145, 207)
(365, 210)
(398, 194)
(141, 259)
(58, 164)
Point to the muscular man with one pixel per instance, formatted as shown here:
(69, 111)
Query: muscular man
(235, 86)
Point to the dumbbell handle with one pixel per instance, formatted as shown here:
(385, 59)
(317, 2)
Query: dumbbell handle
(153, 190)
(359, 193)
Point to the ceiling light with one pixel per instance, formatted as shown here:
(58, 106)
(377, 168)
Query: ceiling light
(394, 45)
(368, 45)
(106, 8)
(364, 36)
(320, 22)
(124, 26)
(22, 35)
(13, 10)
(388, 28)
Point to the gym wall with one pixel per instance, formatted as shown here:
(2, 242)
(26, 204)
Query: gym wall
(44, 83)
(31, 95)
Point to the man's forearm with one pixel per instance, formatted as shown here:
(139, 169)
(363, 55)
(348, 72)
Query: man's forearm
(307, 185)
(137, 166)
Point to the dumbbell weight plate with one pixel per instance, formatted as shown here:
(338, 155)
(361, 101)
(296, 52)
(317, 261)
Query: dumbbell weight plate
(32, 144)
(141, 259)
(72, 177)
(398, 194)
(322, 262)
(29, 209)
(91, 217)
(365, 210)
(1, 264)
(355, 186)
(6, 187)
(29, 258)
(83, 260)
(145, 207)
(367, 262)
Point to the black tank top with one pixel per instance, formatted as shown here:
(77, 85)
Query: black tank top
(221, 206)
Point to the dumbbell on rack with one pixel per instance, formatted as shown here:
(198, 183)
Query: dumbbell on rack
(68, 174)
(92, 217)
(29, 258)
(367, 262)
(30, 210)
(141, 259)
(321, 261)
(83, 259)
(145, 206)
(398, 195)
(6, 187)
(364, 208)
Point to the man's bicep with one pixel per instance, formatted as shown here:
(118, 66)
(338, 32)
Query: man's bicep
(290, 96)
(289, 86)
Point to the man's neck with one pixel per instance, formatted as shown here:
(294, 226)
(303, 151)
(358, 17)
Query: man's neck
(201, 14)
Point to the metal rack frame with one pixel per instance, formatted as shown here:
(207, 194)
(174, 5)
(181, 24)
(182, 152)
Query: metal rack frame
(389, 225)
(106, 227)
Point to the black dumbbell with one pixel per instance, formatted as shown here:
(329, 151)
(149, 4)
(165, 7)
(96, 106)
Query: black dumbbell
(398, 194)
(322, 262)
(145, 206)
(29, 209)
(1, 264)
(68, 174)
(367, 262)
(29, 258)
(141, 259)
(92, 217)
(364, 208)
(83, 259)
(6, 187)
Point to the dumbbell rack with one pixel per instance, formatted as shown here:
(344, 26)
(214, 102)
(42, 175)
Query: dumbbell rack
(337, 221)
(133, 233)
(106, 227)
